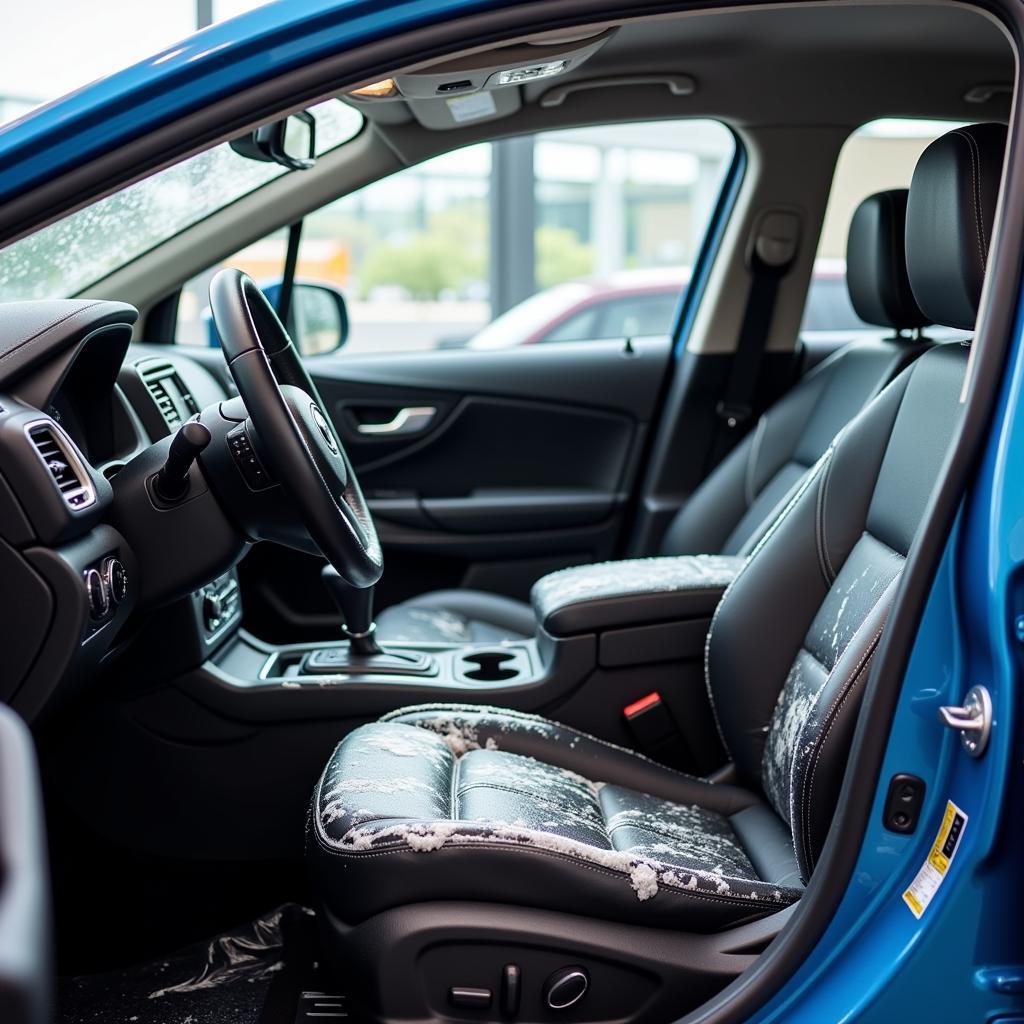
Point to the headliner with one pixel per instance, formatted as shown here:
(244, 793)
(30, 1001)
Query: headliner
(839, 64)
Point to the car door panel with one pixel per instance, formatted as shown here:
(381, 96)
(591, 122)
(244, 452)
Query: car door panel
(25, 981)
(525, 466)
(486, 463)
(599, 374)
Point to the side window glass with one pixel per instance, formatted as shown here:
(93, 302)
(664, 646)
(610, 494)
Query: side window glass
(582, 326)
(641, 316)
(614, 218)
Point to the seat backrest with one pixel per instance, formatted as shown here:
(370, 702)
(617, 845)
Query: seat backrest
(793, 639)
(741, 497)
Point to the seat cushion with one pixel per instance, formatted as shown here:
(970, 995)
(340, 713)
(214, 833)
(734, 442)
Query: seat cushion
(456, 616)
(470, 803)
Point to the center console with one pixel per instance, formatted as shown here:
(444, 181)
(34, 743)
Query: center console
(609, 636)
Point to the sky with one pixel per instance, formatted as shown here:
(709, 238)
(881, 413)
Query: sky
(50, 47)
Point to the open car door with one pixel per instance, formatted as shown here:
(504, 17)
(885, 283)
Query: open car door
(24, 886)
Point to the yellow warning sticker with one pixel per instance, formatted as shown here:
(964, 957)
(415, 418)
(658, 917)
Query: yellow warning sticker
(933, 871)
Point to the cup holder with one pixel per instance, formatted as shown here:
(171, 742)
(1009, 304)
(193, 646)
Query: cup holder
(489, 666)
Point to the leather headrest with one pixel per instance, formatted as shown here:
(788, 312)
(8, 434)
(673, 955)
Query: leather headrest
(949, 221)
(876, 264)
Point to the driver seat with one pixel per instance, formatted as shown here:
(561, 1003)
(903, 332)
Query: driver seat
(459, 842)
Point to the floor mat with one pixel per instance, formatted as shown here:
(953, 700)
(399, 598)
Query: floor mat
(264, 972)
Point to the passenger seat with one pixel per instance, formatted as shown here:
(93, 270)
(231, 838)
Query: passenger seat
(742, 496)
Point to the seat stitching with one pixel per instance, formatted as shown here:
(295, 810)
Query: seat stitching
(665, 832)
(49, 327)
(824, 563)
(521, 716)
(825, 459)
(453, 791)
(676, 836)
(533, 797)
(975, 192)
(831, 716)
(578, 862)
(809, 784)
(864, 655)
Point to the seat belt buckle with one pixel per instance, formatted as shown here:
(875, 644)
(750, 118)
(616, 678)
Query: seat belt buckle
(651, 724)
(734, 413)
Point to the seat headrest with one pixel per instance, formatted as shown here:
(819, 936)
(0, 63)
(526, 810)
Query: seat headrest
(949, 221)
(876, 264)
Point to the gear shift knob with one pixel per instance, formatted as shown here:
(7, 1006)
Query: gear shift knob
(356, 607)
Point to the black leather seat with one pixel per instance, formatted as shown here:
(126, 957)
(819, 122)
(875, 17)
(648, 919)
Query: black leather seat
(733, 507)
(475, 805)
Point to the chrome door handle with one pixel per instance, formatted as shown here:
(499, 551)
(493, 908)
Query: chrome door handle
(973, 720)
(406, 421)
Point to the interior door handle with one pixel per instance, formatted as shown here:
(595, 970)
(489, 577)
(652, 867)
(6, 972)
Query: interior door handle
(410, 420)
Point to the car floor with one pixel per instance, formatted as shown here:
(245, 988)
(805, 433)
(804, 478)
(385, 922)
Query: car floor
(263, 972)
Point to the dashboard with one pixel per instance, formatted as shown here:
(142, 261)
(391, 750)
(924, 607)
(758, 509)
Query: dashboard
(80, 405)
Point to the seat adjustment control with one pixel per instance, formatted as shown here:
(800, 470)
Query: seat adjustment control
(511, 990)
(566, 987)
(471, 998)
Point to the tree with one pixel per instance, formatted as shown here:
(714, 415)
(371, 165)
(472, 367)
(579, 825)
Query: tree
(561, 256)
(449, 255)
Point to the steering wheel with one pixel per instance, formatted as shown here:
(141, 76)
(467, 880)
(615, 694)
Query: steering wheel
(299, 444)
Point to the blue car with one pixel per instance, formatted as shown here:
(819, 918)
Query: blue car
(652, 673)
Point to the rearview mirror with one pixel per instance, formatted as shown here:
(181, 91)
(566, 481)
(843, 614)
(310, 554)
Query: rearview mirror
(290, 143)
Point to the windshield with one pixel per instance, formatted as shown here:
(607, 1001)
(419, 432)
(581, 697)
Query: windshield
(65, 258)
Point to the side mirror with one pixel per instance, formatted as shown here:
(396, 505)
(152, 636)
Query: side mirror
(317, 320)
(290, 143)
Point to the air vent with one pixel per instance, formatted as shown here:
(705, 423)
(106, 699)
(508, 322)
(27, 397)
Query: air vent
(172, 398)
(57, 455)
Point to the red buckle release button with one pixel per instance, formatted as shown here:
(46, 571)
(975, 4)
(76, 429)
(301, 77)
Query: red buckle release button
(638, 707)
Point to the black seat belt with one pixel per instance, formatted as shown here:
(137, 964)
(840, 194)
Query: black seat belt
(771, 256)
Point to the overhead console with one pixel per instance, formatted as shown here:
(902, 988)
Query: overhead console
(484, 86)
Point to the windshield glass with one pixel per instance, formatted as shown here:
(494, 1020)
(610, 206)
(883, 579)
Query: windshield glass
(64, 258)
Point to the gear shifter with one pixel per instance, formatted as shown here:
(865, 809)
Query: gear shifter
(356, 607)
(362, 655)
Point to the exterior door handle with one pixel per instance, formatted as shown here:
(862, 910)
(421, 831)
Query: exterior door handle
(411, 420)
(973, 720)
